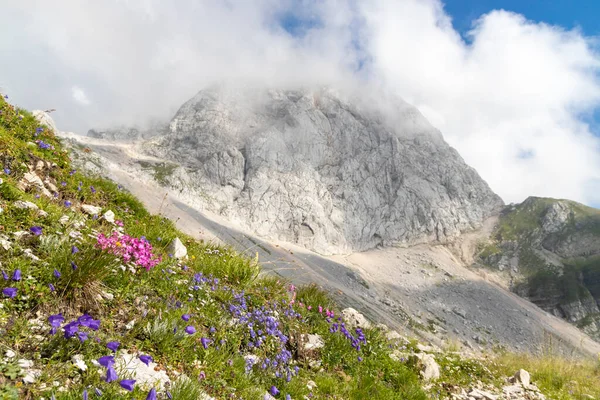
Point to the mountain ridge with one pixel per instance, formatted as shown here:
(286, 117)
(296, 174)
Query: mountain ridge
(292, 165)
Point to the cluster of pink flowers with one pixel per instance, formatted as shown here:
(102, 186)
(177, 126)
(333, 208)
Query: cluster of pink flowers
(130, 249)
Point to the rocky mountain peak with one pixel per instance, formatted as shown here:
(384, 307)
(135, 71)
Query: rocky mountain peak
(328, 170)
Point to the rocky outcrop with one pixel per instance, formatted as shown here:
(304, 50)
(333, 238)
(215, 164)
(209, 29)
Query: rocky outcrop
(551, 251)
(326, 171)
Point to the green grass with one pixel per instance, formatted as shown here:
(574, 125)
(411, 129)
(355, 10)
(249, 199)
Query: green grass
(218, 289)
(557, 377)
(143, 309)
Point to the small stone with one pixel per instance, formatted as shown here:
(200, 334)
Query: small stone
(313, 342)
(75, 234)
(19, 234)
(353, 319)
(91, 210)
(130, 325)
(429, 368)
(29, 254)
(522, 377)
(10, 354)
(25, 205)
(31, 376)
(77, 360)
(480, 394)
(109, 216)
(146, 376)
(177, 249)
(25, 364)
(108, 296)
(64, 220)
(5, 243)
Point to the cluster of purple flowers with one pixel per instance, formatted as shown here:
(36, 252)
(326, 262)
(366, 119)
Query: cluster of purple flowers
(341, 327)
(74, 328)
(43, 145)
(11, 292)
(263, 330)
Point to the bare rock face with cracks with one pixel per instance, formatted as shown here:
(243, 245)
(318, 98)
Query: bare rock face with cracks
(330, 172)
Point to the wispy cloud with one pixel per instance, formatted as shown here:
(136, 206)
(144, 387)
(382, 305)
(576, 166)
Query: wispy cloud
(514, 99)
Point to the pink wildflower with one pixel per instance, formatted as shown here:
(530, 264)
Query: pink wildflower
(130, 249)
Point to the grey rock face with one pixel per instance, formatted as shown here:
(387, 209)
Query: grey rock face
(127, 134)
(332, 174)
(550, 248)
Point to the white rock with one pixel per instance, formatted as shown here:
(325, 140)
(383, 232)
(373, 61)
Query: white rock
(19, 234)
(313, 342)
(42, 213)
(522, 377)
(130, 325)
(45, 119)
(430, 369)
(77, 360)
(31, 179)
(310, 385)
(267, 396)
(145, 375)
(480, 394)
(353, 318)
(108, 296)
(75, 234)
(10, 354)
(91, 210)
(64, 220)
(29, 253)
(25, 204)
(31, 376)
(109, 216)
(25, 364)
(177, 249)
(5, 243)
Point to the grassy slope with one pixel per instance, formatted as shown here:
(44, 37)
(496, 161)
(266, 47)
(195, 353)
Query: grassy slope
(157, 299)
(522, 222)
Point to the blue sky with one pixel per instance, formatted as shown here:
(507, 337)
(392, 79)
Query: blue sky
(567, 13)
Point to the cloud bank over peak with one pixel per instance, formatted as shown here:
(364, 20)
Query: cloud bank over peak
(514, 97)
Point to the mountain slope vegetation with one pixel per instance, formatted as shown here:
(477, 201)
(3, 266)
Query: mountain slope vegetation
(101, 299)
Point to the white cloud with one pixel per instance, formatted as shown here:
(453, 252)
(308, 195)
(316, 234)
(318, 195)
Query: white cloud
(79, 95)
(512, 99)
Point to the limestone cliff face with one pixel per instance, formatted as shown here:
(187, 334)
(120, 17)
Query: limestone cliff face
(328, 172)
(551, 251)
